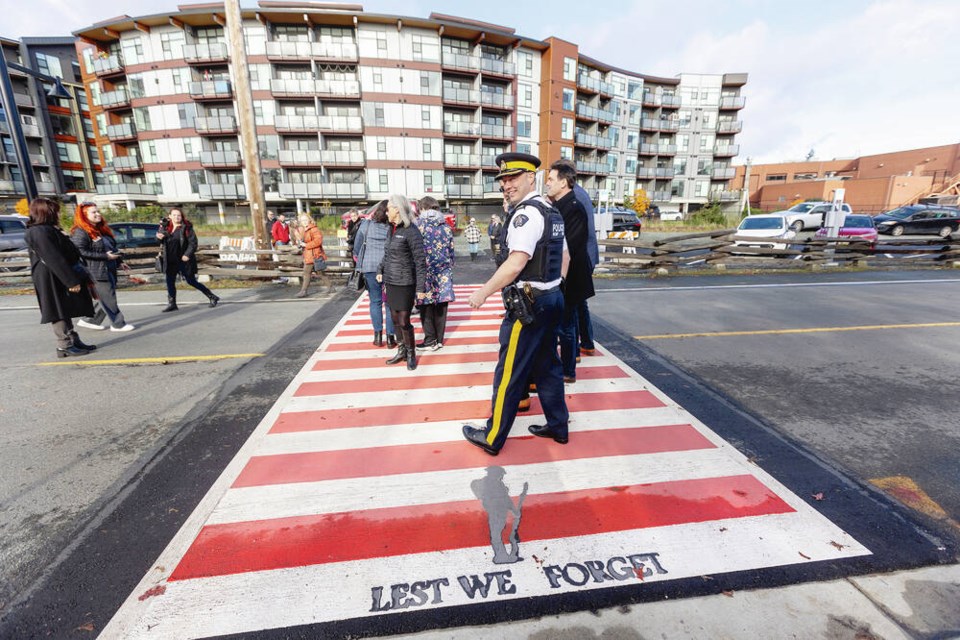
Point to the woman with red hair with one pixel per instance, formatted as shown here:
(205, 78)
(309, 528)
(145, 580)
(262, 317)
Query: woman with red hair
(178, 242)
(94, 240)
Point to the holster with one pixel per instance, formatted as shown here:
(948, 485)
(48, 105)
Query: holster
(518, 304)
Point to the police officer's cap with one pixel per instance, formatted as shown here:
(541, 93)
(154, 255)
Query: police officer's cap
(511, 164)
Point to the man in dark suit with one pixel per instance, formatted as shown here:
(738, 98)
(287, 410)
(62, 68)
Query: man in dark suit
(578, 285)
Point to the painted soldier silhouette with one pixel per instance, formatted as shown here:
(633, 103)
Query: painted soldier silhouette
(495, 498)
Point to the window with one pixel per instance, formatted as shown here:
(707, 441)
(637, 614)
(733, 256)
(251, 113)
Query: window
(633, 140)
(523, 147)
(566, 153)
(189, 153)
(676, 188)
(172, 44)
(378, 80)
(384, 181)
(135, 86)
(706, 142)
(141, 118)
(425, 117)
(424, 84)
(526, 96)
(568, 96)
(427, 150)
(524, 126)
(381, 147)
(700, 188)
(425, 47)
(704, 167)
(566, 128)
(683, 142)
(132, 50)
(525, 63)
(777, 177)
(570, 69)
(49, 65)
(679, 166)
(381, 42)
(634, 90)
(684, 118)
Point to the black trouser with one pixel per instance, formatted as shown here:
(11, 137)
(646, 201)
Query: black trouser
(433, 319)
(190, 279)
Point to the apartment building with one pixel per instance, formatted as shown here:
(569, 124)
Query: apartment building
(350, 107)
(57, 130)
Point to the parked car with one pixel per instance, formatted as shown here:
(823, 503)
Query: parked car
(809, 215)
(767, 228)
(626, 220)
(130, 235)
(919, 219)
(674, 216)
(854, 226)
(12, 229)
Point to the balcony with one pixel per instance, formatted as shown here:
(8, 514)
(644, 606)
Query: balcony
(215, 125)
(127, 164)
(453, 95)
(30, 130)
(12, 186)
(732, 102)
(127, 188)
(500, 131)
(23, 99)
(586, 112)
(220, 159)
(723, 174)
(38, 159)
(651, 99)
(496, 100)
(658, 149)
(725, 196)
(463, 190)
(461, 128)
(116, 99)
(205, 52)
(300, 158)
(223, 191)
(46, 186)
(460, 62)
(660, 196)
(669, 101)
(656, 172)
(728, 150)
(489, 162)
(108, 66)
(464, 160)
(310, 87)
(341, 51)
(342, 157)
(211, 90)
(587, 166)
(589, 140)
(497, 67)
(729, 126)
(316, 190)
(311, 123)
(289, 51)
(4, 127)
(121, 132)
(588, 84)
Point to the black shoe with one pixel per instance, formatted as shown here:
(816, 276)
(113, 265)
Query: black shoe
(544, 431)
(399, 356)
(79, 344)
(214, 299)
(411, 360)
(391, 341)
(71, 351)
(378, 338)
(479, 438)
(171, 305)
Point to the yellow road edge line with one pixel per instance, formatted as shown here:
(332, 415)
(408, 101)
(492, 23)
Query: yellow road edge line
(158, 360)
(761, 332)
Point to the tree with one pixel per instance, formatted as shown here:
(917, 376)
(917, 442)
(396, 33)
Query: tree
(640, 201)
(22, 207)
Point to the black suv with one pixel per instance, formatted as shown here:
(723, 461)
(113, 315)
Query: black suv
(625, 220)
(12, 230)
(919, 219)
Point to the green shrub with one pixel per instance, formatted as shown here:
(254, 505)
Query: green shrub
(709, 215)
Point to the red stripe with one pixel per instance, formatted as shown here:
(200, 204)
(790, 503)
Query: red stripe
(316, 466)
(299, 541)
(451, 328)
(429, 357)
(407, 383)
(451, 342)
(357, 319)
(466, 411)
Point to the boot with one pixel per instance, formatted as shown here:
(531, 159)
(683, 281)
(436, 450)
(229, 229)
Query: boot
(400, 356)
(171, 304)
(378, 338)
(409, 343)
(391, 341)
(214, 299)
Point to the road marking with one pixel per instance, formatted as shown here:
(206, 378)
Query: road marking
(363, 501)
(776, 285)
(908, 492)
(764, 332)
(157, 360)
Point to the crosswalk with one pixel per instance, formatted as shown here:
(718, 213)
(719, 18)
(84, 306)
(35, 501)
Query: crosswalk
(358, 497)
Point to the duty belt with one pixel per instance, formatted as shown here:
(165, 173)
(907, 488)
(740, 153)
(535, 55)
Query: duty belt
(533, 294)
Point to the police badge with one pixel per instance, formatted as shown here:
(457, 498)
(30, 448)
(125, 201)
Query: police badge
(519, 220)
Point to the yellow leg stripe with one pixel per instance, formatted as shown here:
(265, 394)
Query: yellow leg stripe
(504, 382)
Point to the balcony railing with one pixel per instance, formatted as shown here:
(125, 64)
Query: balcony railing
(461, 128)
(586, 166)
(315, 87)
(461, 159)
(726, 150)
(463, 190)
(300, 157)
(461, 96)
(656, 172)
(205, 52)
(586, 82)
(653, 124)
(215, 124)
(732, 102)
(11, 186)
(211, 90)
(660, 196)
(342, 157)
(214, 159)
(46, 186)
(115, 99)
(312, 122)
(460, 61)
(651, 99)
(277, 50)
(127, 188)
(670, 101)
(729, 126)
(501, 131)
(30, 130)
(725, 196)
(655, 149)
(127, 163)
(590, 140)
(22, 99)
(497, 67)
(108, 66)
(489, 161)
(223, 191)
(496, 100)
(723, 174)
(37, 158)
(354, 190)
(123, 131)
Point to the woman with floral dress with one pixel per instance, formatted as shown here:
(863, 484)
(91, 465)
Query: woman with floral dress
(438, 293)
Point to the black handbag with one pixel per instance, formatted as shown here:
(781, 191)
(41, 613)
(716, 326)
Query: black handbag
(158, 263)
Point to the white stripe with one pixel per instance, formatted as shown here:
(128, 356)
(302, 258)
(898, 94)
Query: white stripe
(777, 285)
(365, 352)
(484, 333)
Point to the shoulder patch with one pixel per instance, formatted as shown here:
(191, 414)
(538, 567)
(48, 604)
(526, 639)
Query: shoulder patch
(519, 220)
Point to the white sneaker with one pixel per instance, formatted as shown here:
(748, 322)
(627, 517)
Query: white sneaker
(437, 346)
(89, 325)
(126, 327)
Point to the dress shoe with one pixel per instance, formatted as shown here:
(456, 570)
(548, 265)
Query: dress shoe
(570, 379)
(587, 352)
(79, 344)
(544, 431)
(533, 388)
(71, 351)
(578, 359)
(524, 405)
(479, 438)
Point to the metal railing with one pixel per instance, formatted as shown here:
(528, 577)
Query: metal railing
(205, 52)
(215, 124)
(729, 126)
(656, 172)
(311, 122)
(726, 150)
(107, 65)
(460, 61)
(342, 157)
(655, 149)
(323, 190)
(127, 188)
(226, 158)
(498, 67)
(461, 128)
(223, 191)
(496, 131)
(461, 96)
(732, 102)
(590, 140)
(123, 131)
(472, 190)
(461, 159)
(114, 99)
(211, 89)
(127, 163)
(491, 99)
(314, 87)
(723, 174)
(300, 157)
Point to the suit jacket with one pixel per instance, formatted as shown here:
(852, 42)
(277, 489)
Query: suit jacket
(578, 285)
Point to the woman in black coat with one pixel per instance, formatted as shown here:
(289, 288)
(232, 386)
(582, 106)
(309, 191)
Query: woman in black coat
(404, 271)
(178, 246)
(59, 278)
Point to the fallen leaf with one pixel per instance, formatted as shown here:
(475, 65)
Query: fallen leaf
(155, 591)
(85, 627)
(705, 578)
(722, 529)
(803, 555)
(837, 545)
(729, 594)
(817, 496)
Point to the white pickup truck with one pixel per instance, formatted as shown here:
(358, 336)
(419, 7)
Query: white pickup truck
(808, 215)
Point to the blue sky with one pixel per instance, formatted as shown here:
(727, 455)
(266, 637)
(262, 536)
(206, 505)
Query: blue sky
(840, 78)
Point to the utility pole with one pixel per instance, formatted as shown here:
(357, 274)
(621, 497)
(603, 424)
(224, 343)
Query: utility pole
(745, 205)
(248, 126)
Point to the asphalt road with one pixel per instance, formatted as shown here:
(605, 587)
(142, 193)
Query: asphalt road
(124, 451)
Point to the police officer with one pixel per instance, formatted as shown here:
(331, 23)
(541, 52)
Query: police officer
(533, 258)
